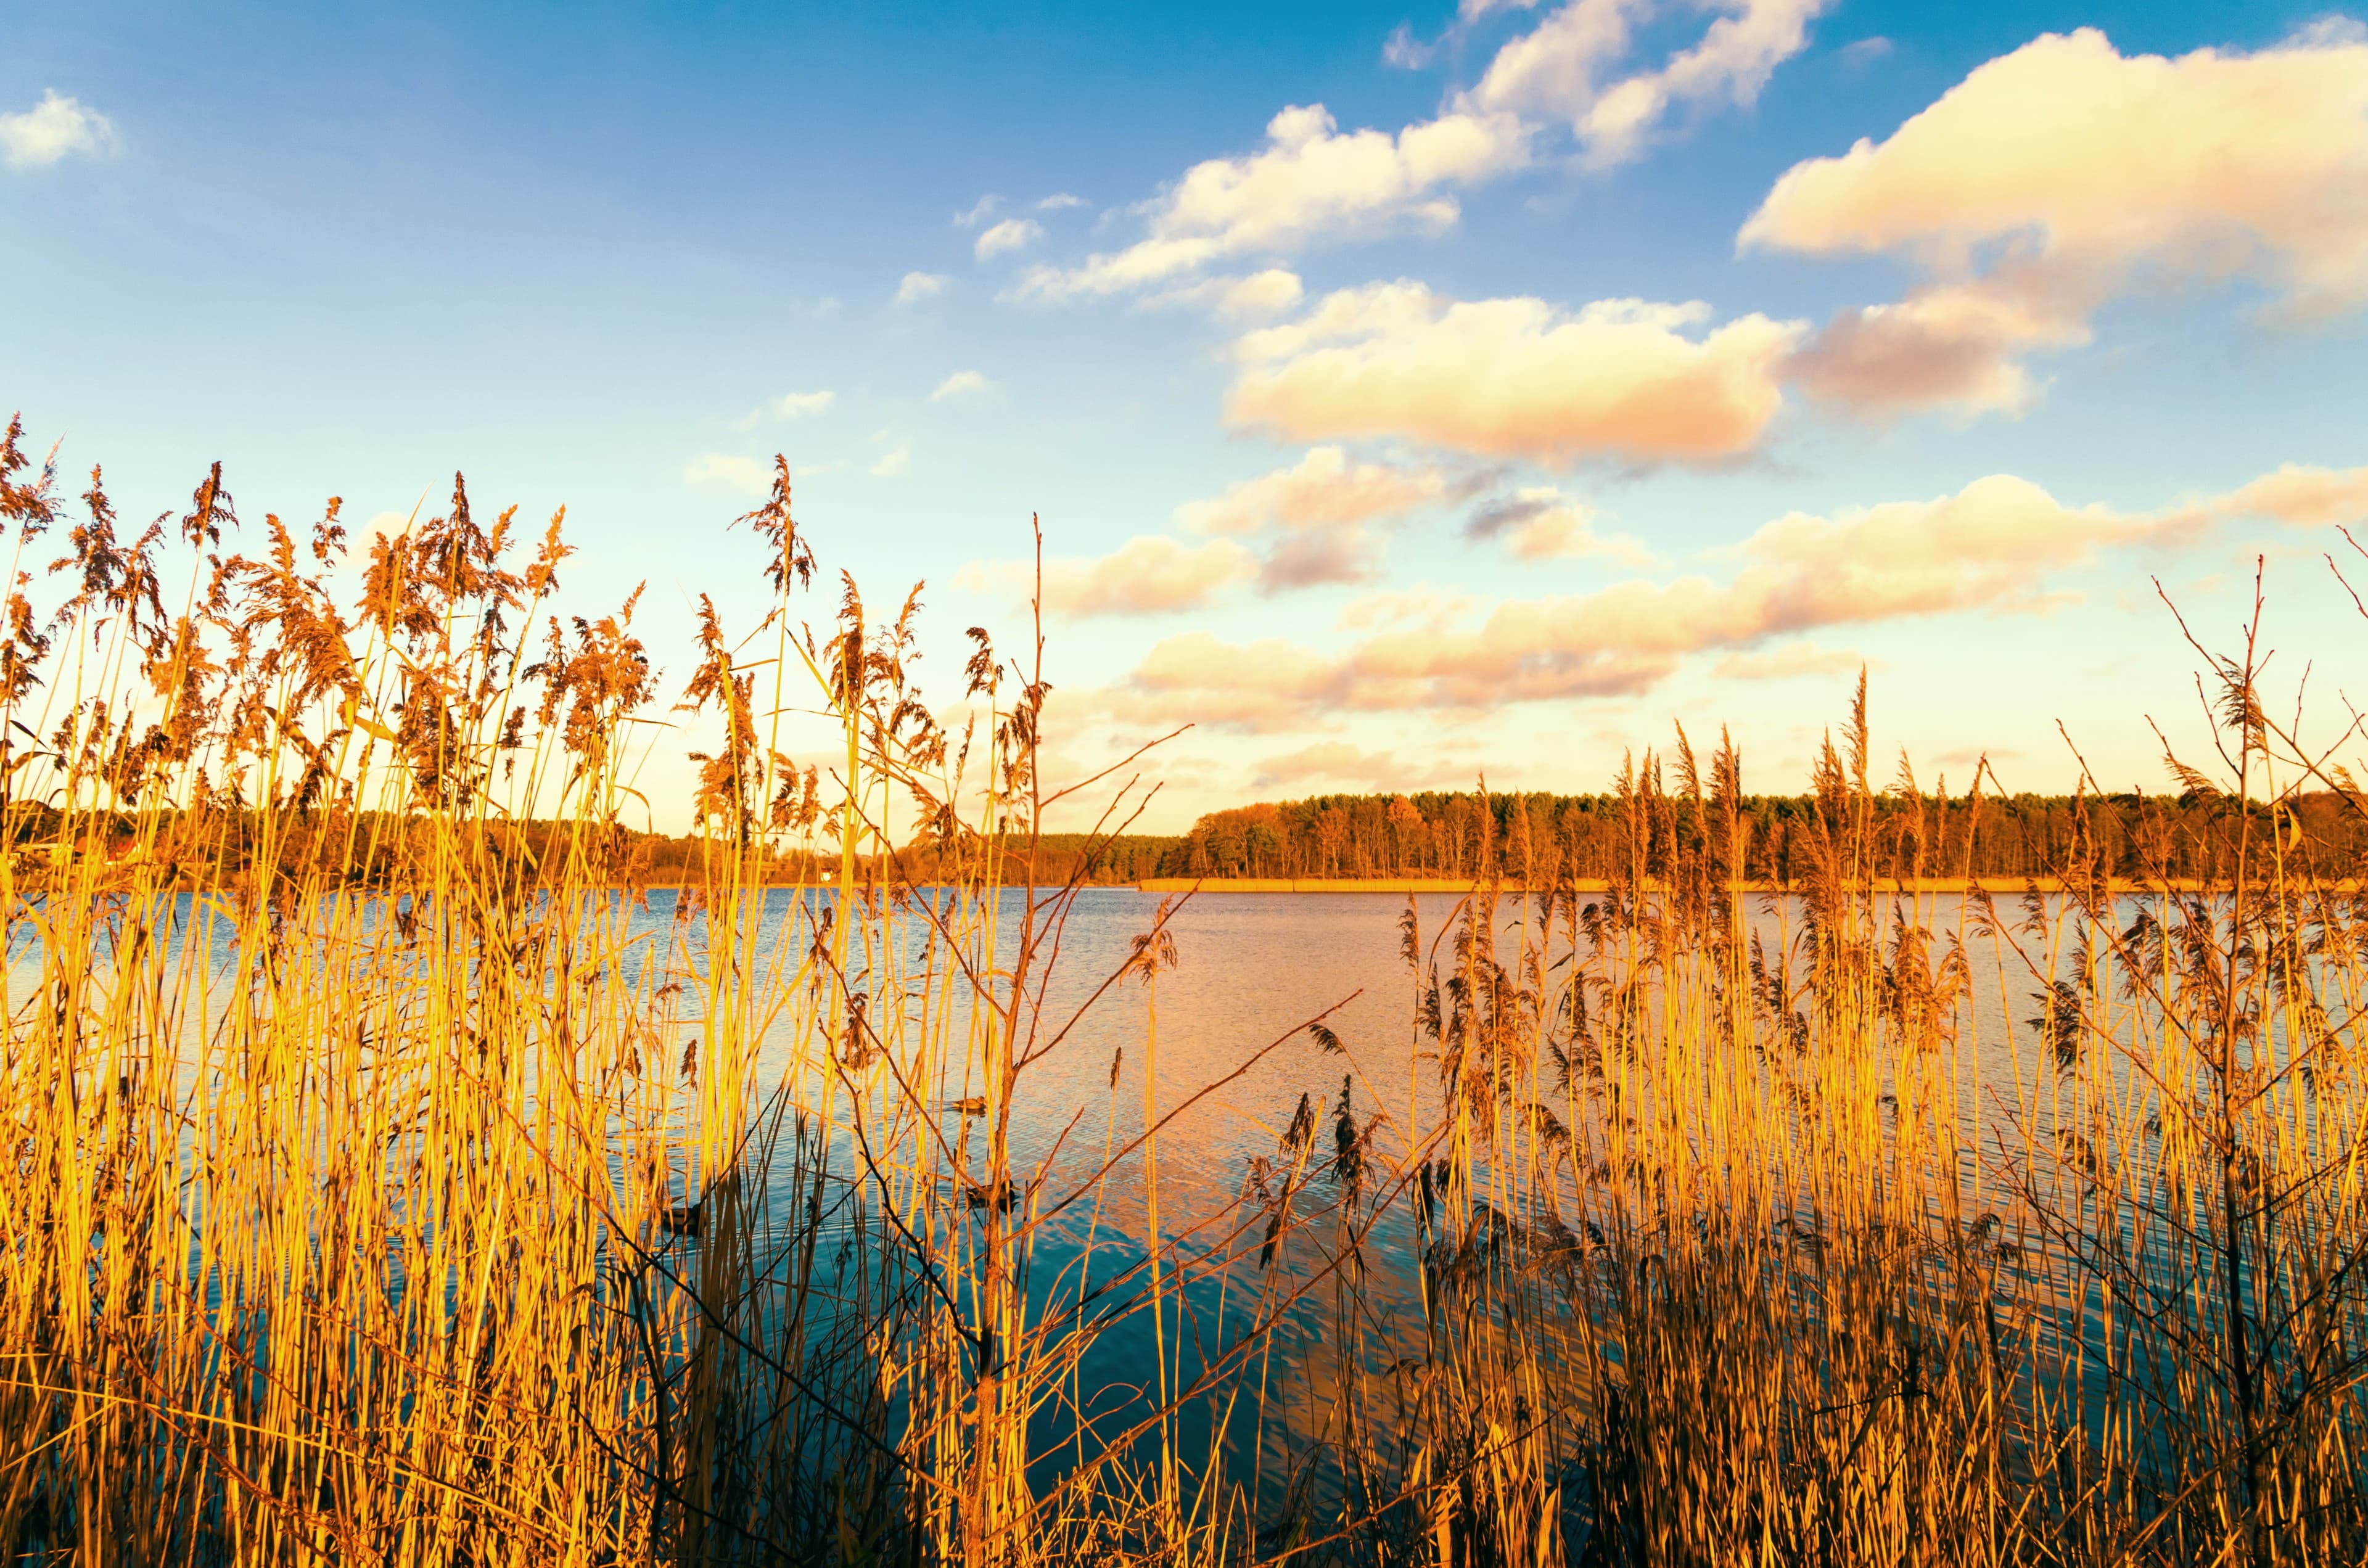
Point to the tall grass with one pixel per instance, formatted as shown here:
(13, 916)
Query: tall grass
(392, 1184)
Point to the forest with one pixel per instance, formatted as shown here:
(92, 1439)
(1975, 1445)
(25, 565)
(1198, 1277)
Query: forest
(1540, 837)
(1519, 838)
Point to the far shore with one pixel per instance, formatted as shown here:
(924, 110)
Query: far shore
(1993, 885)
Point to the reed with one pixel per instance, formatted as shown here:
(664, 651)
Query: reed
(398, 1178)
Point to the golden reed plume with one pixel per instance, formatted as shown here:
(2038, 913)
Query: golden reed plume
(400, 1172)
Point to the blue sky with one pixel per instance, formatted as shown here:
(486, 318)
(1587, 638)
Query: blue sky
(611, 257)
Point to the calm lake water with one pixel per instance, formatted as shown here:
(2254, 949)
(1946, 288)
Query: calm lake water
(1252, 970)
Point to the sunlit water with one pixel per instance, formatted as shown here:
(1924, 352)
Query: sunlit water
(1234, 1058)
(1253, 970)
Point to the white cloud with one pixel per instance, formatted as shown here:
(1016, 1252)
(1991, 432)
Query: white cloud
(1011, 234)
(1310, 182)
(1318, 515)
(1323, 489)
(1263, 687)
(917, 286)
(1540, 523)
(961, 383)
(1405, 51)
(721, 470)
(1149, 575)
(1267, 293)
(1992, 546)
(2297, 495)
(2056, 177)
(980, 211)
(2330, 30)
(786, 407)
(1945, 345)
(893, 461)
(1276, 684)
(1313, 519)
(1061, 201)
(51, 130)
(1559, 69)
(1619, 379)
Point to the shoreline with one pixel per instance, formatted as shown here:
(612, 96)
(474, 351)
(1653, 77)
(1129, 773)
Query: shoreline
(1991, 885)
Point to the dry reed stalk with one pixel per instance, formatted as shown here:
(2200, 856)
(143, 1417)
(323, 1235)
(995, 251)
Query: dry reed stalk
(394, 1181)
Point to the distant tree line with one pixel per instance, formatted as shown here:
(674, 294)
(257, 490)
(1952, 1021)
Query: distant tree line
(1055, 859)
(1451, 835)
(212, 846)
(1541, 836)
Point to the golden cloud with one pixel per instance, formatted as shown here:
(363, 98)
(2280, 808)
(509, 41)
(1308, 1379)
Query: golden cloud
(2053, 178)
(1516, 378)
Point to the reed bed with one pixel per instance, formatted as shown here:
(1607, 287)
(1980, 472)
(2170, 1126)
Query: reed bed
(398, 1179)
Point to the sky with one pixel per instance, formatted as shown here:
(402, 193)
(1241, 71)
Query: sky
(1407, 396)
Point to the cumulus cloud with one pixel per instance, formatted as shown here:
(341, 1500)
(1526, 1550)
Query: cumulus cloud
(1992, 546)
(1323, 489)
(1348, 554)
(1261, 687)
(2298, 496)
(786, 407)
(1988, 546)
(1011, 234)
(1267, 293)
(1540, 523)
(1311, 520)
(2055, 176)
(1947, 345)
(1625, 380)
(1405, 51)
(961, 383)
(1061, 201)
(51, 130)
(986, 207)
(723, 471)
(1311, 181)
(1276, 684)
(1318, 513)
(1560, 69)
(893, 461)
(1149, 575)
(918, 285)
(2334, 28)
